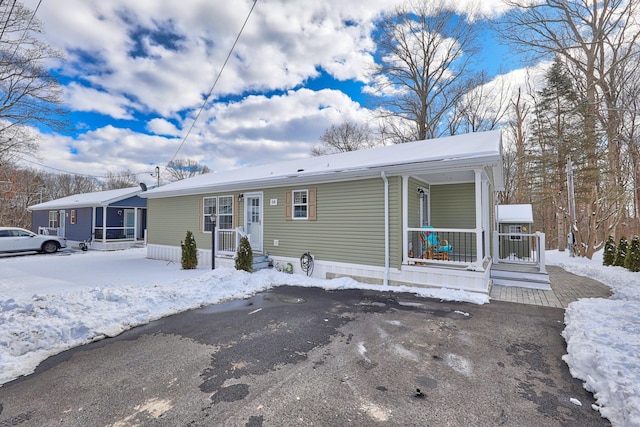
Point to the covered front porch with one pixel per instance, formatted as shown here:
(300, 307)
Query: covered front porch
(117, 227)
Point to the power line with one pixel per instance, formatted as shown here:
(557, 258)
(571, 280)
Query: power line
(214, 83)
(75, 173)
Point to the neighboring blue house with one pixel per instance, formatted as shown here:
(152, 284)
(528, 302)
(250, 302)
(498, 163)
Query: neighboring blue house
(113, 219)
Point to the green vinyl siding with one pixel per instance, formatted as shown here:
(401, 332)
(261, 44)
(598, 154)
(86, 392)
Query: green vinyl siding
(168, 219)
(453, 206)
(349, 225)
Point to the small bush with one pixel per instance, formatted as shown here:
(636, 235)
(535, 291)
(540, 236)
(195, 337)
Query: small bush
(632, 260)
(609, 253)
(621, 252)
(189, 252)
(244, 257)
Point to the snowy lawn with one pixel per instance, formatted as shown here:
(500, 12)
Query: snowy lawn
(603, 338)
(50, 303)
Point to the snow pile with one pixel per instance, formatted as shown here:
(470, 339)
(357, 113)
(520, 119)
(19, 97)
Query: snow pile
(78, 298)
(603, 338)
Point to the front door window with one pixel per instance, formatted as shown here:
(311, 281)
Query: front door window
(253, 220)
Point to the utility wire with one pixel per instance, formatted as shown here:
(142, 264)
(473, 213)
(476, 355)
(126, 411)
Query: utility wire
(214, 83)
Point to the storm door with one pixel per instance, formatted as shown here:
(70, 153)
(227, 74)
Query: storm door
(253, 220)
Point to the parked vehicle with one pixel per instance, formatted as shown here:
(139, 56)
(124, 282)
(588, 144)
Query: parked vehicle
(14, 239)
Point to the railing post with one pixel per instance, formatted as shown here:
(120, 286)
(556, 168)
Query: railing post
(213, 246)
(541, 248)
(496, 247)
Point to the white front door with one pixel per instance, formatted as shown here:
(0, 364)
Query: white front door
(253, 220)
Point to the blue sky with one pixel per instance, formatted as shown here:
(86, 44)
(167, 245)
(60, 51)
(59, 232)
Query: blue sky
(136, 74)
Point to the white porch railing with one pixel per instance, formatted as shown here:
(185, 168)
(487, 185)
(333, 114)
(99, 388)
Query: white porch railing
(520, 248)
(228, 240)
(115, 233)
(445, 245)
(50, 231)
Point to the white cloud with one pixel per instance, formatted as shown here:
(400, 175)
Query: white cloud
(156, 61)
(160, 126)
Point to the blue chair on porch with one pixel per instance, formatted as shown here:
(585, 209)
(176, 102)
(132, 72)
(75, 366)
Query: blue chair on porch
(433, 247)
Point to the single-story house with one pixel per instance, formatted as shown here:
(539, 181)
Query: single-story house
(112, 219)
(361, 214)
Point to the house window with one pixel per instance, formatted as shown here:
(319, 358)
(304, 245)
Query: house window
(73, 216)
(220, 208)
(301, 204)
(53, 219)
(225, 212)
(515, 229)
(425, 207)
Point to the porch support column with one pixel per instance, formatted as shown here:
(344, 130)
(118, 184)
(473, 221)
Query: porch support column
(405, 220)
(104, 224)
(479, 213)
(135, 224)
(93, 222)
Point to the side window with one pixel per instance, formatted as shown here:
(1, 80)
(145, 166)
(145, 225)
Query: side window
(515, 229)
(73, 216)
(208, 213)
(300, 204)
(425, 206)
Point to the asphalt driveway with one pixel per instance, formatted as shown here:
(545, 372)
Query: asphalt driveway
(305, 356)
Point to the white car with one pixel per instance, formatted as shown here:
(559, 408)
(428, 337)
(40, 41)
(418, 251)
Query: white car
(13, 239)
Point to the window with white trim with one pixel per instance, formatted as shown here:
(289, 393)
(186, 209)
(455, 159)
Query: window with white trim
(425, 207)
(73, 216)
(300, 204)
(53, 219)
(515, 229)
(218, 208)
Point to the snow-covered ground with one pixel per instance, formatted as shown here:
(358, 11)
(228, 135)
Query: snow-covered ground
(50, 303)
(603, 338)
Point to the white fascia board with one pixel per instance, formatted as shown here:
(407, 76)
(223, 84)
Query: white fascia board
(332, 176)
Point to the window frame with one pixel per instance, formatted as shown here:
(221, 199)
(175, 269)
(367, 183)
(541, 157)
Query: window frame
(73, 216)
(304, 204)
(515, 229)
(53, 219)
(425, 207)
(216, 211)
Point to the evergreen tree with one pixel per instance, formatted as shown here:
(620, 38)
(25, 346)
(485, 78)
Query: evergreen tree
(632, 261)
(244, 258)
(621, 252)
(189, 252)
(609, 253)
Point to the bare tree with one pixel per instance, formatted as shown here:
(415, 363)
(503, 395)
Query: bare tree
(29, 95)
(595, 40)
(482, 107)
(425, 51)
(19, 189)
(347, 136)
(63, 185)
(123, 179)
(180, 169)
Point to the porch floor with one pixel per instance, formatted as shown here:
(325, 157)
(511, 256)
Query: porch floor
(565, 288)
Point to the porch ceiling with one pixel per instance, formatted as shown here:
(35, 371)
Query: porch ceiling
(447, 177)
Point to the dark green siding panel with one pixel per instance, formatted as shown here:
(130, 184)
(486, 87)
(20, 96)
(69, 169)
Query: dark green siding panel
(453, 206)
